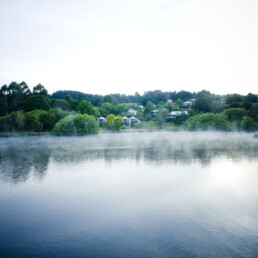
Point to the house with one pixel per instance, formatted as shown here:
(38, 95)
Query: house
(130, 121)
(154, 113)
(188, 103)
(173, 114)
(131, 112)
(171, 102)
(102, 120)
(223, 102)
(133, 120)
(126, 120)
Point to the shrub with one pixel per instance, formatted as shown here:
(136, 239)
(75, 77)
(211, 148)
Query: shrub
(32, 121)
(234, 114)
(114, 123)
(162, 116)
(180, 119)
(118, 123)
(53, 116)
(253, 112)
(61, 103)
(208, 121)
(76, 125)
(248, 124)
(12, 122)
(85, 107)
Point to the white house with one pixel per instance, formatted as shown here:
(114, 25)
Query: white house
(130, 121)
(173, 114)
(102, 120)
(131, 112)
(126, 120)
(154, 112)
(223, 102)
(133, 120)
(170, 101)
(188, 103)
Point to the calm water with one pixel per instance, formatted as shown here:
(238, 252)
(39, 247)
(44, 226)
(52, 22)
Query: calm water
(129, 195)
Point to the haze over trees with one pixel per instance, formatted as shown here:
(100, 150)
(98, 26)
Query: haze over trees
(73, 112)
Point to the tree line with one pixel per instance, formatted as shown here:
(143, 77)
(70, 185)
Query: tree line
(73, 112)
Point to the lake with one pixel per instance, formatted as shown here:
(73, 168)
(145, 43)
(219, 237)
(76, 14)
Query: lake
(157, 194)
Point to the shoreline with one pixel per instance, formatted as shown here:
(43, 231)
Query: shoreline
(131, 130)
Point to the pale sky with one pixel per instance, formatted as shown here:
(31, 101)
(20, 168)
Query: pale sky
(124, 46)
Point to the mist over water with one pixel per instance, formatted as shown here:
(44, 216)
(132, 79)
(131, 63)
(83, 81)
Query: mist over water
(159, 194)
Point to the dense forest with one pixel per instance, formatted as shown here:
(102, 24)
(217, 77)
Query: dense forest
(73, 112)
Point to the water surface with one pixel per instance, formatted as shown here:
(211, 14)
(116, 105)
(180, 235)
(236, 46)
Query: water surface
(129, 195)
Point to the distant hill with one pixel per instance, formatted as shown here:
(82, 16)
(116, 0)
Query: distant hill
(61, 94)
(94, 98)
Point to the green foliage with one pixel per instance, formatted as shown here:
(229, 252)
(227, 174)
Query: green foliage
(74, 103)
(234, 98)
(77, 95)
(52, 117)
(180, 119)
(36, 120)
(36, 102)
(234, 105)
(32, 122)
(169, 107)
(122, 108)
(251, 98)
(192, 112)
(17, 97)
(149, 107)
(108, 108)
(216, 107)
(85, 107)
(114, 123)
(110, 124)
(76, 125)
(184, 95)
(208, 121)
(179, 103)
(234, 114)
(3, 124)
(203, 102)
(103, 112)
(253, 112)
(107, 98)
(20, 121)
(118, 123)
(59, 113)
(110, 99)
(248, 124)
(162, 116)
(61, 103)
(40, 90)
(137, 125)
(155, 97)
(12, 97)
(148, 117)
(246, 105)
(12, 122)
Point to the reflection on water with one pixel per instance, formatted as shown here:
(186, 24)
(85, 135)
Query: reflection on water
(129, 195)
(20, 156)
